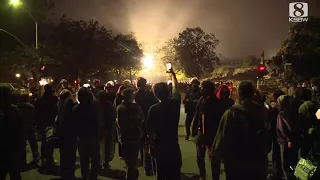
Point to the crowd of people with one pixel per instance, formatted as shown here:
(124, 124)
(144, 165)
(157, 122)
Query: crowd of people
(238, 134)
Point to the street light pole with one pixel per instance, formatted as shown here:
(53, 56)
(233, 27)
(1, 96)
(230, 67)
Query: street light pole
(36, 26)
(14, 36)
(36, 34)
(26, 9)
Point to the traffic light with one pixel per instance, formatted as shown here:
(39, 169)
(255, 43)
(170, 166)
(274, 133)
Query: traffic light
(75, 82)
(261, 70)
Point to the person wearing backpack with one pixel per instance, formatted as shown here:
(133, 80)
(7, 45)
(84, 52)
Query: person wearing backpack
(129, 119)
(241, 139)
(206, 120)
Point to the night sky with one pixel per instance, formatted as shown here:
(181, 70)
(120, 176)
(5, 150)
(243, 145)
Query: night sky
(244, 27)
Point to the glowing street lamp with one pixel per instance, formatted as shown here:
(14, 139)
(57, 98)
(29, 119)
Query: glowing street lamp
(148, 60)
(16, 3)
(18, 75)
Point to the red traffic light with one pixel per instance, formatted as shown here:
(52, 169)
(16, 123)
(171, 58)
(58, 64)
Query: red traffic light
(261, 68)
(75, 81)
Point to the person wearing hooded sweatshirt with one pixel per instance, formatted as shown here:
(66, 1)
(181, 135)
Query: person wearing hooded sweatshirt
(27, 113)
(307, 117)
(45, 114)
(205, 123)
(10, 136)
(240, 141)
(67, 135)
(85, 114)
(288, 135)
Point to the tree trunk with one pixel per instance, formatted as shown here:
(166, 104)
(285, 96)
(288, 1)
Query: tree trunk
(131, 75)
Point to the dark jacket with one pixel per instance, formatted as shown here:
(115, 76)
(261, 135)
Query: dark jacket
(287, 128)
(207, 118)
(27, 111)
(86, 117)
(11, 135)
(46, 110)
(145, 99)
(66, 128)
(107, 117)
(191, 99)
(241, 139)
(130, 118)
(272, 118)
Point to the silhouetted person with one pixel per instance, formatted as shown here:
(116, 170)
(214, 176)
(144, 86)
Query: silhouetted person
(288, 136)
(190, 103)
(145, 99)
(162, 129)
(10, 136)
(130, 118)
(240, 141)
(276, 155)
(118, 100)
(86, 116)
(107, 131)
(205, 123)
(45, 113)
(67, 134)
(28, 121)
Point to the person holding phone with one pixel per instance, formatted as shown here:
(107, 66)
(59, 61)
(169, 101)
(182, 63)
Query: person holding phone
(162, 130)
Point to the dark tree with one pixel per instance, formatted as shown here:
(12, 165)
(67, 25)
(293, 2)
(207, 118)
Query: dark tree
(301, 52)
(127, 55)
(196, 51)
(79, 48)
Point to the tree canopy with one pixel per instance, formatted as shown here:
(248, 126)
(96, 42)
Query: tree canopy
(302, 50)
(193, 51)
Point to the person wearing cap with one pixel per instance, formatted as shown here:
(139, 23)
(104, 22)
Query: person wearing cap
(190, 103)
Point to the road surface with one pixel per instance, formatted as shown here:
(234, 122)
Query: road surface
(189, 166)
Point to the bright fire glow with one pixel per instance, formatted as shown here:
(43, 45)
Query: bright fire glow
(43, 82)
(15, 2)
(148, 60)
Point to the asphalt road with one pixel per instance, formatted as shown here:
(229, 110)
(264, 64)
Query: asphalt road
(189, 166)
